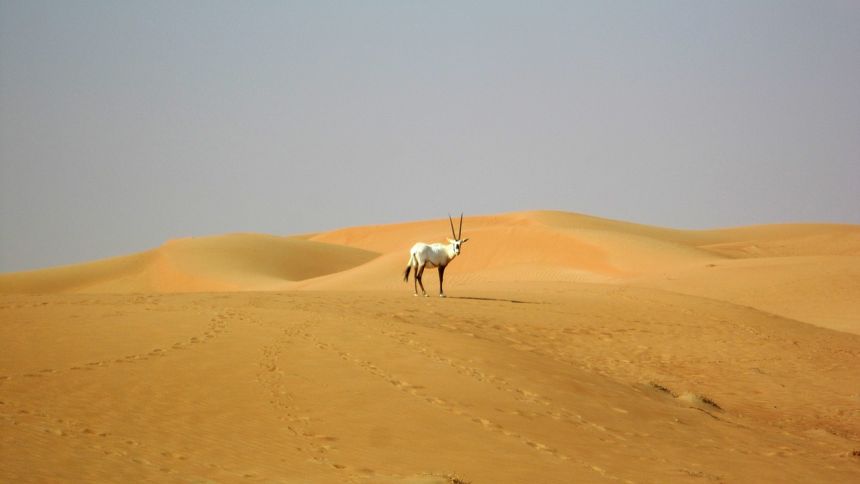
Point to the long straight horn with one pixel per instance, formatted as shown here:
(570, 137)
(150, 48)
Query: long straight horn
(452, 227)
(461, 226)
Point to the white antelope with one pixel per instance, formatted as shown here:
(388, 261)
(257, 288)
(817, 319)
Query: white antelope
(435, 255)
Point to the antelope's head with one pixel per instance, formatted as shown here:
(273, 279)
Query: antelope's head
(456, 242)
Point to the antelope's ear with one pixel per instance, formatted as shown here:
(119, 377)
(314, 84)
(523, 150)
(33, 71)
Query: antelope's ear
(464, 241)
(450, 241)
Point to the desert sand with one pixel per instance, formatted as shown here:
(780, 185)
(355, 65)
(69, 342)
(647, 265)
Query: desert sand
(570, 349)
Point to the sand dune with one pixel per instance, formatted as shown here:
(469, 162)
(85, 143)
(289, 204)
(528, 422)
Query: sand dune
(808, 272)
(524, 246)
(237, 262)
(786, 240)
(822, 290)
(571, 349)
(803, 271)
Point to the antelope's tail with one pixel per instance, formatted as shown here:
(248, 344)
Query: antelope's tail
(408, 268)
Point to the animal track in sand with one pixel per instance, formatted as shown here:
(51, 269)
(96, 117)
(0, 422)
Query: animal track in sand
(89, 436)
(448, 405)
(552, 410)
(92, 437)
(552, 343)
(216, 326)
(316, 446)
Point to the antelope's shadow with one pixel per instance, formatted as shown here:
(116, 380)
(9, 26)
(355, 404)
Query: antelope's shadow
(473, 298)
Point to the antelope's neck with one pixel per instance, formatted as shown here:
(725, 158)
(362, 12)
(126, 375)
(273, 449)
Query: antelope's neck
(449, 249)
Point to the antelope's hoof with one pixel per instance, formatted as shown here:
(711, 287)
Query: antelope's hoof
(426, 295)
(442, 295)
(416, 294)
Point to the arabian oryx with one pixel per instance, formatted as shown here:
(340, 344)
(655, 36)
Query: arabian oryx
(434, 255)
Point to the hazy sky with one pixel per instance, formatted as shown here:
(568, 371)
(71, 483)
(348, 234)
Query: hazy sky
(123, 123)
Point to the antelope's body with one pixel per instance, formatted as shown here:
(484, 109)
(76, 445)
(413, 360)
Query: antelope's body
(433, 256)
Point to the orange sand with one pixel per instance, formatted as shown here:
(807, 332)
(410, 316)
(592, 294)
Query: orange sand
(570, 349)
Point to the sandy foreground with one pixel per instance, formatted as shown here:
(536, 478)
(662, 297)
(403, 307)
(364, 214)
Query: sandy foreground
(570, 349)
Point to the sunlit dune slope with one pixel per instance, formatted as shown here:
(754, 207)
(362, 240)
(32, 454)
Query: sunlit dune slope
(547, 245)
(505, 248)
(589, 383)
(221, 263)
(520, 246)
(785, 240)
(74, 277)
(823, 290)
(808, 272)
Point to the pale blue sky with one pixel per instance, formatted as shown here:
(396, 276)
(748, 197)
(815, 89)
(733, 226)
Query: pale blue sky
(123, 124)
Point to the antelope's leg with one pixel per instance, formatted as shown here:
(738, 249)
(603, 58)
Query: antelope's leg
(415, 278)
(441, 277)
(420, 277)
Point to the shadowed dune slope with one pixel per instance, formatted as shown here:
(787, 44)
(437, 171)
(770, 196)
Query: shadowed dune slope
(232, 262)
